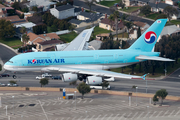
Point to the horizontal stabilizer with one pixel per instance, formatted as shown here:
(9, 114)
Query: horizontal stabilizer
(142, 57)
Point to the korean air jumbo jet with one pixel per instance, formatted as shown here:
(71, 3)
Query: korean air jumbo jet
(76, 63)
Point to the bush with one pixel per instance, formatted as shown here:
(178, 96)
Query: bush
(0, 67)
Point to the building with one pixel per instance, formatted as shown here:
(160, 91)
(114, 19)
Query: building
(15, 19)
(47, 45)
(34, 39)
(171, 2)
(86, 19)
(110, 25)
(3, 12)
(62, 12)
(168, 31)
(143, 26)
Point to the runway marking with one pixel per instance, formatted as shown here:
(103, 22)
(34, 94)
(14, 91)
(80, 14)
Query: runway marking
(177, 113)
(140, 115)
(48, 104)
(153, 114)
(90, 100)
(122, 116)
(159, 114)
(116, 116)
(55, 103)
(79, 101)
(171, 113)
(92, 117)
(98, 117)
(84, 101)
(165, 113)
(86, 117)
(134, 115)
(67, 102)
(110, 116)
(73, 101)
(60, 102)
(147, 115)
(104, 117)
(128, 116)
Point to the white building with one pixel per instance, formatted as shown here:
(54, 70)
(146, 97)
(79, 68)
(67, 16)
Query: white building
(62, 12)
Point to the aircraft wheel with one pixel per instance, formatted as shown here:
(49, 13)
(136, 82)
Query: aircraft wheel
(14, 76)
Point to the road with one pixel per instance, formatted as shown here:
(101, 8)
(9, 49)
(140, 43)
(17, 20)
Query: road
(107, 11)
(28, 80)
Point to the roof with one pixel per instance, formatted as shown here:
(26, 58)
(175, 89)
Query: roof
(26, 25)
(64, 7)
(77, 9)
(32, 36)
(2, 6)
(91, 16)
(169, 30)
(75, 21)
(107, 21)
(49, 35)
(14, 19)
(96, 44)
(50, 42)
(140, 24)
(159, 5)
(144, 1)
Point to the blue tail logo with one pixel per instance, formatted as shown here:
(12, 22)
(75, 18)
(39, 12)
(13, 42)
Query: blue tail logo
(150, 37)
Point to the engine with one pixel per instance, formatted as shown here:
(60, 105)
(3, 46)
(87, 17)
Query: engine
(93, 80)
(69, 77)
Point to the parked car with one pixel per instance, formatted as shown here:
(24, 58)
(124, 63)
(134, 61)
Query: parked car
(4, 75)
(2, 84)
(46, 75)
(56, 77)
(10, 84)
(39, 77)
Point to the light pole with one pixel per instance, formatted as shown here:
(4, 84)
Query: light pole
(75, 99)
(146, 83)
(148, 111)
(136, 95)
(13, 104)
(165, 66)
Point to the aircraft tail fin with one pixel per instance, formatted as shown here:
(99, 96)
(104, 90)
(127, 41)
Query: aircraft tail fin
(147, 40)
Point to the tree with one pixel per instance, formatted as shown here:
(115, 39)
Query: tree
(133, 87)
(104, 84)
(23, 30)
(116, 16)
(44, 81)
(138, 32)
(40, 29)
(25, 38)
(155, 99)
(12, 82)
(90, 3)
(83, 89)
(128, 25)
(170, 11)
(145, 10)
(16, 5)
(111, 19)
(7, 29)
(121, 4)
(26, 9)
(161, 94)
(161, 16)
(35, 8)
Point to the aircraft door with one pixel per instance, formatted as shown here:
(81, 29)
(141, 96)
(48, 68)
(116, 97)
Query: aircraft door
(115, 56)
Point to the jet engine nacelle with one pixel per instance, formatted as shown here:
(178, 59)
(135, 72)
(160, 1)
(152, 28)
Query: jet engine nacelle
(93, 80)
(69, 77)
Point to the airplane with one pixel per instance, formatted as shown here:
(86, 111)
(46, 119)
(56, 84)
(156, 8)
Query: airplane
(76, 63)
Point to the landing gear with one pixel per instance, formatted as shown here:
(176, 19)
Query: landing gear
(14, 76)
(82, 77)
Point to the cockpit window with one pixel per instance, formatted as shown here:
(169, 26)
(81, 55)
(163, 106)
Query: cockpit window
(10, 61)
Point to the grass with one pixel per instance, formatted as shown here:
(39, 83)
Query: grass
(12, 42)
(109, 3)
(175, 22)
(131, 9)
(68, 37)
(158, 71)
(98, 30)
(122, 36)
(153, 16)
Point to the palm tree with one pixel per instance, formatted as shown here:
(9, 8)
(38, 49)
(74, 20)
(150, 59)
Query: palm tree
(116, 16)
(128, 25)
(25, 38)
(111, 18)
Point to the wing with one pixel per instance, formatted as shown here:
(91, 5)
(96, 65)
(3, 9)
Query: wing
(142, 57)
(80, 42)
(100, 73)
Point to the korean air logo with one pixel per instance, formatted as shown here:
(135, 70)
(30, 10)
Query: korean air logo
(150, 37)
(93, 81)
(158, 21)
(34, 61)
